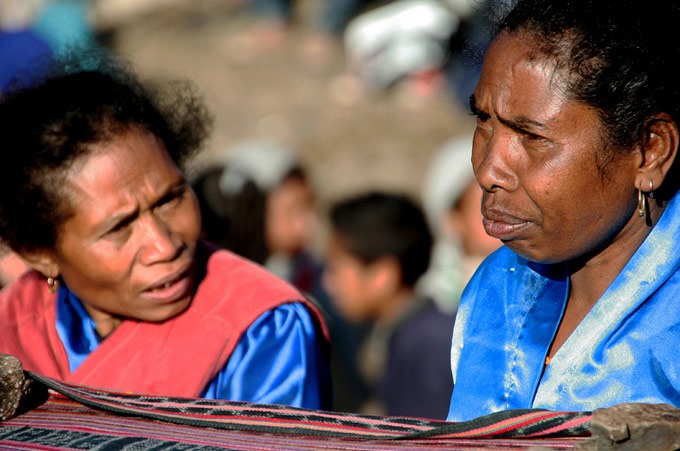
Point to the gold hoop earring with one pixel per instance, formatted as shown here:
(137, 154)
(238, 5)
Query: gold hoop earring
(642, 203)
(52, 284)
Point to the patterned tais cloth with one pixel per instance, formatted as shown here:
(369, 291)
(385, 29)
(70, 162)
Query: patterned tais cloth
(77, 417)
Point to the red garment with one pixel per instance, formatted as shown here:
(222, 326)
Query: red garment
(177, 357)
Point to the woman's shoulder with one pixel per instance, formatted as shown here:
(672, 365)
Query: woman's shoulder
(30, 287)
(231, 268)
(26, 296)
(239, 281)
(215, 264)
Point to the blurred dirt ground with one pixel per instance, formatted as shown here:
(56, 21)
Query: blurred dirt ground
(349, 141)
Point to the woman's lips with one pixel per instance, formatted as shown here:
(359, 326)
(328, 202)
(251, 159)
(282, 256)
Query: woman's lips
(503, 226)
(170, 290)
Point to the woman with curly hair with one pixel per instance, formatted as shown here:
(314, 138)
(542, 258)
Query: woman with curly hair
(122, 293)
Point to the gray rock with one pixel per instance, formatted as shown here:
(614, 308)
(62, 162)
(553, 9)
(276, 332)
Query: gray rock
(634, 427)
(11, 385)
(18, 393)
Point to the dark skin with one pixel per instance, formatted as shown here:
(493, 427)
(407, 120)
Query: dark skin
(536, 154)
(128, 250)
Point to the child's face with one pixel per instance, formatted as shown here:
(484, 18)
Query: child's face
(466, 223)
(290, 217)
(349, 282)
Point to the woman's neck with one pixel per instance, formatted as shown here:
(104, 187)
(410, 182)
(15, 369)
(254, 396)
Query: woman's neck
(591, 275)
(104, 323)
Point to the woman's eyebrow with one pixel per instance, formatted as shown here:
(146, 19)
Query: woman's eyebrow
(171, 191)
(519, 123)
(118, 218)
(522, 123)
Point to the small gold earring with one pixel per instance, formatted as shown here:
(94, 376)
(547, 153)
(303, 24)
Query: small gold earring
(52, 284)
(642, 203)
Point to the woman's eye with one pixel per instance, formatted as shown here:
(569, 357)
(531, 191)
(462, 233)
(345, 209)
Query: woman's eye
(120, 228)
(481, 116)
(533, 137)
(173, 198)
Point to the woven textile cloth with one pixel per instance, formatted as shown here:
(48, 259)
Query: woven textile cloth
(77, 417)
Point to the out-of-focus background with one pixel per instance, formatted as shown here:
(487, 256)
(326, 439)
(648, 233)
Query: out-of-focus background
(298, 87)
(291, 92)
(349, 139)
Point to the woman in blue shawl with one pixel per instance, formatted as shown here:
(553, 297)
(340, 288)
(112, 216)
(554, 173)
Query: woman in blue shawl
(575, 148)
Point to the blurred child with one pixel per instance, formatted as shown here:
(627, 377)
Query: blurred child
(452, 202)
(259, 203)
(379, 246)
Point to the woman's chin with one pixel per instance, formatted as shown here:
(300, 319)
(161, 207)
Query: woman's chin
(534, 253)
(159, 314)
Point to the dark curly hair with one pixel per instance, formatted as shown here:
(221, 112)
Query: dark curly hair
(619, 56)
(47, 127)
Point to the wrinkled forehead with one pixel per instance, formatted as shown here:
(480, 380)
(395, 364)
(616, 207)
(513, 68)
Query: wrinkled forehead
(555, 53)
(517, 56)
(136, 143)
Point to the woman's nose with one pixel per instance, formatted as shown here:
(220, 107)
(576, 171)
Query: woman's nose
(159, 244)
(493, 158)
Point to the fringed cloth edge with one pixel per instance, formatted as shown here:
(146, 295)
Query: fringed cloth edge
(284, 420)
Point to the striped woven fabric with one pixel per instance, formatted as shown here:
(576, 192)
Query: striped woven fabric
(77, 417)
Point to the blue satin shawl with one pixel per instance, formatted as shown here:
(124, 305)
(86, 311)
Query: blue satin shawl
(624, 350)
(277, 361)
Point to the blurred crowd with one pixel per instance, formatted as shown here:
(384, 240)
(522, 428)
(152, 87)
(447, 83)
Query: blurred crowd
(433, 45)
(392, 267)
(429, 45)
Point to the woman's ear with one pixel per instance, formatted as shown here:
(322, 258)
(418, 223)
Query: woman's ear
(660, 149)
(43, 262)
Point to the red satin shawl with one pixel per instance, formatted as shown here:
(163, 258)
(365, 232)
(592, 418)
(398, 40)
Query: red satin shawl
(177, 357)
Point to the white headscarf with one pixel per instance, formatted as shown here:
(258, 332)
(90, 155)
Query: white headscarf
(265, 163)
(449, 175)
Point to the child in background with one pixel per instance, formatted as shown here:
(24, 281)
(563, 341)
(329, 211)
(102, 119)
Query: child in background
(258, 202)
(379, 246)
(452, 199)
